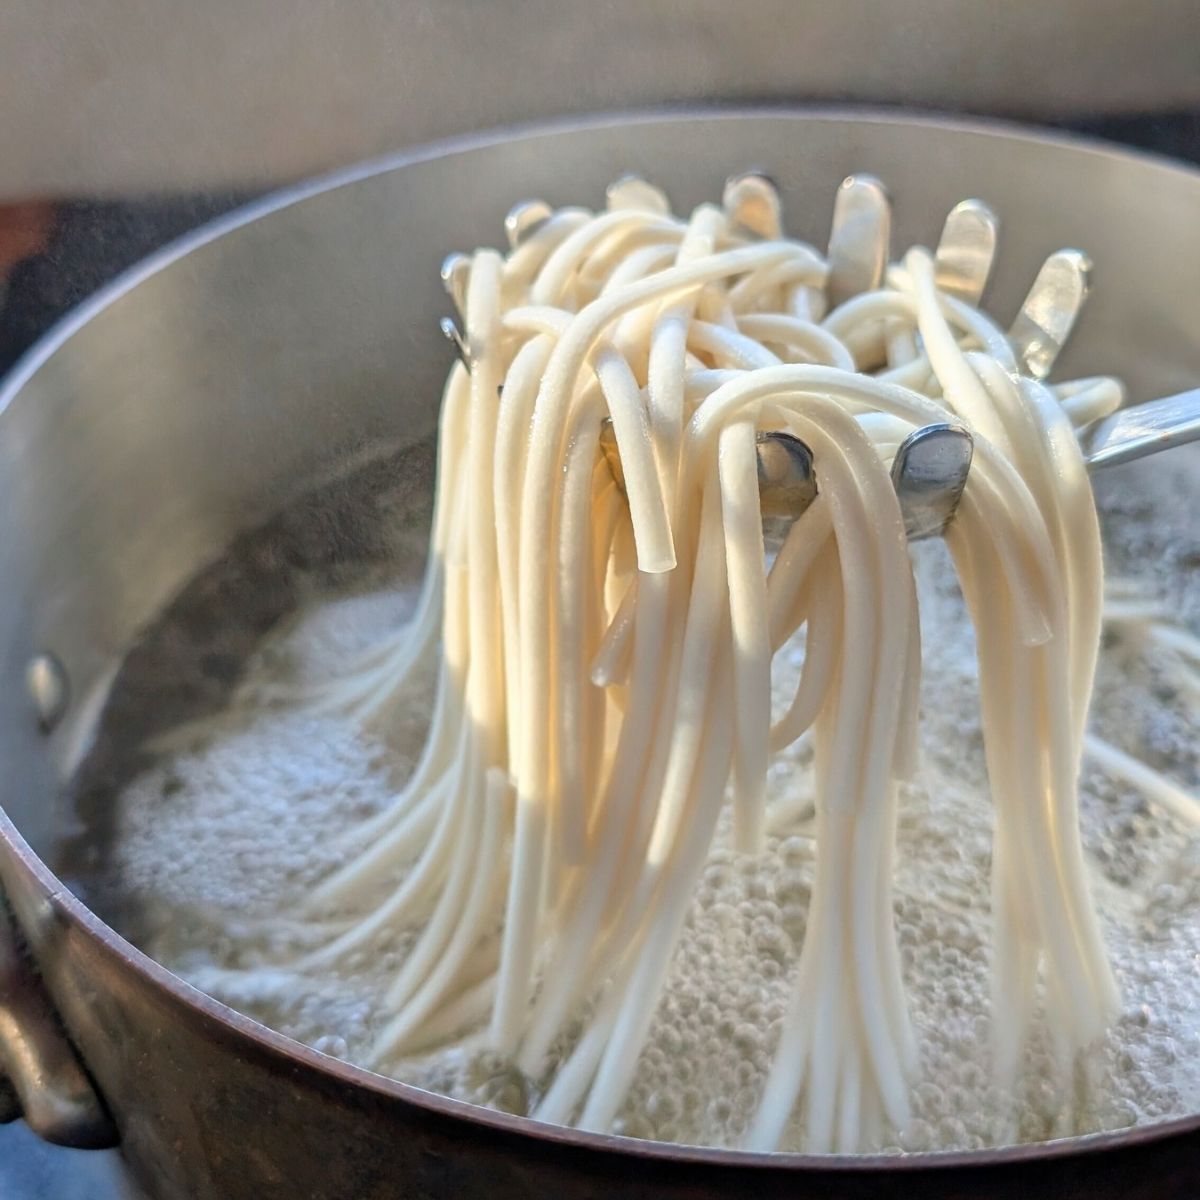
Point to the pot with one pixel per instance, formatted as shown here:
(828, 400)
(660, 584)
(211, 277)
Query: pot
(197, 394)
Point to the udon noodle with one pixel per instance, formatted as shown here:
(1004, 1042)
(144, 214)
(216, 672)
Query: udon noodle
(604, 642)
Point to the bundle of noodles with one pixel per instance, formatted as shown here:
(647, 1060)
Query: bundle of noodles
(608, 619)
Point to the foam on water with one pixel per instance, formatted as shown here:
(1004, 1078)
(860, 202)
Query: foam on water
(210, 839)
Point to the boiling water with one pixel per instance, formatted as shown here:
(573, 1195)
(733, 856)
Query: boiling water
(185, 850)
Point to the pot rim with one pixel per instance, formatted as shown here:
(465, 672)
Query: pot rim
(230, 1025)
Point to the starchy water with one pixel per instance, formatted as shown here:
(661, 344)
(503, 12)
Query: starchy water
(209, 842)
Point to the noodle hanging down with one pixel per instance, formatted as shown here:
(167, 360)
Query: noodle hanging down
(605, 614)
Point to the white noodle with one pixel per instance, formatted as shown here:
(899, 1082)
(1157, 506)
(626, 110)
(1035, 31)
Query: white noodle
(607, 644)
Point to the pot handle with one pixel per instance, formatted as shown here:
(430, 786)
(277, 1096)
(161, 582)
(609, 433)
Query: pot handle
(42, 1078)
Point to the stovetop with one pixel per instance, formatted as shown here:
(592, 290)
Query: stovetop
(93, 242)
(31, 1169)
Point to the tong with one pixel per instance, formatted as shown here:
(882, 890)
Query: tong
(932, 464)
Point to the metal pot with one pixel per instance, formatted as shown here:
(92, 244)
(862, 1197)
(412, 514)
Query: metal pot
(203, 389)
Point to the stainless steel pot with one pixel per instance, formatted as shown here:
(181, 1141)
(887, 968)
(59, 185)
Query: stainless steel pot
(206, 387)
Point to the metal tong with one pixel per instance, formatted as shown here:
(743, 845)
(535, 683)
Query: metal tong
(932, 464)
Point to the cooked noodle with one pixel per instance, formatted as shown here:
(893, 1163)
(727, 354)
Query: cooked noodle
(606, 642)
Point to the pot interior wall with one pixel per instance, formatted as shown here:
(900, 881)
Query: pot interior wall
(192, 399)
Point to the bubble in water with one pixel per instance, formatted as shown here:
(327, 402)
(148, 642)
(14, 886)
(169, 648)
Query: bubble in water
(244, 825)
